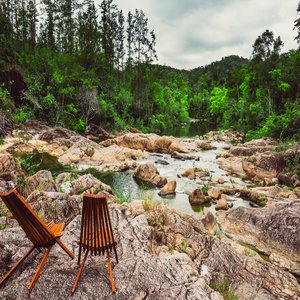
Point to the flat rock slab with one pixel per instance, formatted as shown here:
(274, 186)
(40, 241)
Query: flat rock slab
(142, 274)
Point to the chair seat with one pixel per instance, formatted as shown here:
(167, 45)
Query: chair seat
(56, 229)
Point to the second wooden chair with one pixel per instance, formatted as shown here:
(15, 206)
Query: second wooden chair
(96, 235)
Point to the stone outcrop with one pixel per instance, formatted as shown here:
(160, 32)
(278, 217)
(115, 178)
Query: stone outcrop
(165, 273)
(189, 173)
(56, 206)
(168, 189)
(41, 181)
(149, 174)
(274, 229)
(224, 136)
(152, 143)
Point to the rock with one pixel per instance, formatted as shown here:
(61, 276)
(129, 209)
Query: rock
(275, 181)
(256, 172)
(214, 193)
(222, 204)
(41, 181)
(152, 143)
(162, 162)
(206, 146)
(209, 222)
(197, 197)
(182, 156)
(284, 179)
(220, 180)
(52, 134)
(7, 163)
(168, 189)
(6, 125)
(224, 136)
(166, 274)
(97, 131)
(189, 173)
(89, 184)
(273, 229)
(55, 206)
(62, 178)
(148, 173)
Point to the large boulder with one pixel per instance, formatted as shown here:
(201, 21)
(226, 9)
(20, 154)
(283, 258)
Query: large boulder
(197, 197)
(274, 229)
(42, 181)
(149, 174)
(86, 183)
(56, 206)
(7, 163)
(168, 189)
(152, 143)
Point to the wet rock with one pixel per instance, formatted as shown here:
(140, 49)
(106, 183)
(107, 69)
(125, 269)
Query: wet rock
(209, 222)
(197, 197)
(42, 181)
(182, 156)
(162, 162)
(189, 173)
(206, 146)
(168, 189)
(214, 193)
(222, 204)
(148, 173)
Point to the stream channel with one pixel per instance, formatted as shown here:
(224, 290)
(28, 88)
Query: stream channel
(126, 187)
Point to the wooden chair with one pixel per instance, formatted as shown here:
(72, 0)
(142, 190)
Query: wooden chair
(96, 236)
(42, 235)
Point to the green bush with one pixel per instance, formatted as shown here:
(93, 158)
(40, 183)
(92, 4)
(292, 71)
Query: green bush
(24, 114)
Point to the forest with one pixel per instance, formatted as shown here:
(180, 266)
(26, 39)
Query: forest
(74, 63)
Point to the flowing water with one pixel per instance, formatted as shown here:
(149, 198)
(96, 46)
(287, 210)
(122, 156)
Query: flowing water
(125, 186)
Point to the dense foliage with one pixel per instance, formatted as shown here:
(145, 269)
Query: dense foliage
(72, 64)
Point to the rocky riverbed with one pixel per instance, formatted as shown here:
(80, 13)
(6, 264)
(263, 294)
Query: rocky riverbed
(252, 252)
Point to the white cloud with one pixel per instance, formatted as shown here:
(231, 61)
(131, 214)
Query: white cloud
(192, 33)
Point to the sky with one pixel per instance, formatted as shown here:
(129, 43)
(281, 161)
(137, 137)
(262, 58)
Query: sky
(193, 33)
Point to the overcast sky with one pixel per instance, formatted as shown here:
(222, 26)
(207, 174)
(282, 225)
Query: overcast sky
(192, 33)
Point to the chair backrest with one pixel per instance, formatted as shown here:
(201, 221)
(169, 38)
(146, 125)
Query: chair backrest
(96, 230)
(35, 229)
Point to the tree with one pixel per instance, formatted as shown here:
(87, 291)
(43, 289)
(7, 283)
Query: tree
(109, 26)
(297, 25)
(266, 46)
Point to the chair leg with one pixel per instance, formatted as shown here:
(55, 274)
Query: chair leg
(111, 274)
(39, 269)
(79, 272)
(79, 255)
(64, 247)
(8, 274)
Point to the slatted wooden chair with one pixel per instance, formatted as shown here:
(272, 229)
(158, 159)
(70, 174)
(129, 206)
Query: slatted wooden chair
(42, 235)
(96, 236)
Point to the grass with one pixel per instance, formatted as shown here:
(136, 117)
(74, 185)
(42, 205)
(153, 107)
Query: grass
(1, 140)
(204, 189)
(223, 287)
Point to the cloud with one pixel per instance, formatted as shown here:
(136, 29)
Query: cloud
(191, 33)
